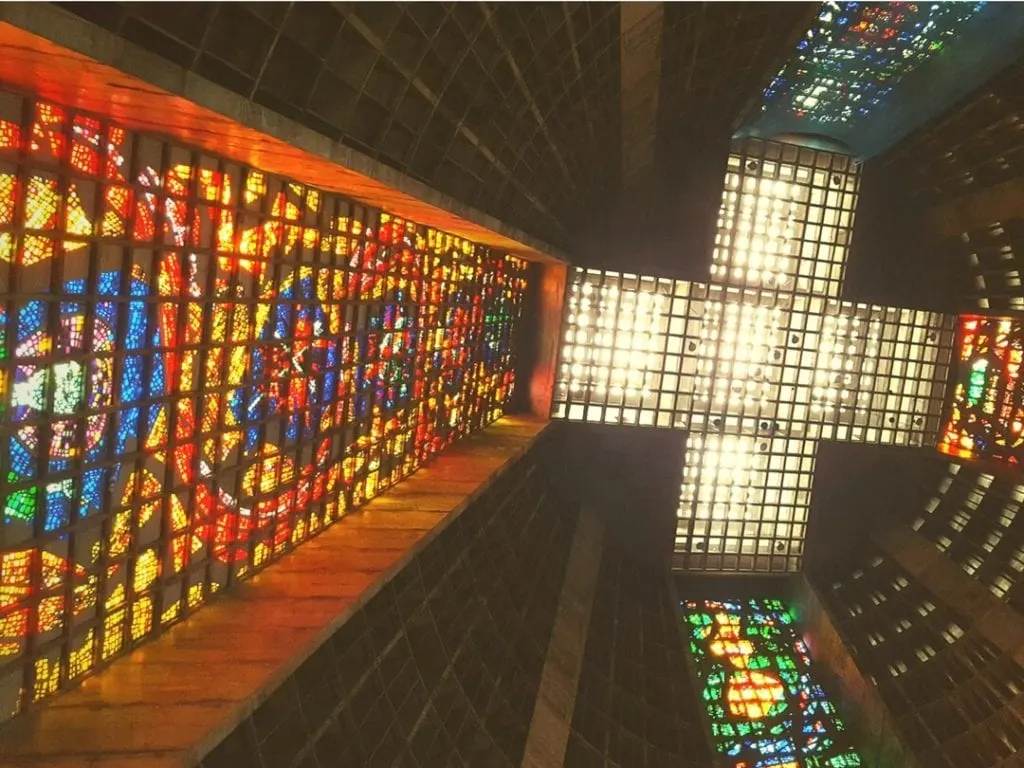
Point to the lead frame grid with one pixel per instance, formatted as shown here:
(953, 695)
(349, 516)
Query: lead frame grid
(757, 378)
(744, 503)
(648, 351)
(786, 218)
(760, 364)
(622, 341)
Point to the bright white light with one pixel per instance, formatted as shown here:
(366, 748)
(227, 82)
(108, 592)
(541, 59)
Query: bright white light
(764, 359)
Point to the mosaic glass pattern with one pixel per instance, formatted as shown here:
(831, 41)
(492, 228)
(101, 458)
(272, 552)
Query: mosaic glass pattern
(201, 366)
(759, 364)
(759, 691)
(854, 54)
(986, 411)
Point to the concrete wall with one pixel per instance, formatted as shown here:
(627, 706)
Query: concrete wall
(442, 666)
(856, 699)
(637, 705)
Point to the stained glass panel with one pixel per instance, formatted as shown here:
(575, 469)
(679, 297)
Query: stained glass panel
(986, 411)
(855, 53)
(202, 365)
(867, 73)
(762, 700)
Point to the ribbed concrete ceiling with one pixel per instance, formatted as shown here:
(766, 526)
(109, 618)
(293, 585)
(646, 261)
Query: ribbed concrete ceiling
(514, 107)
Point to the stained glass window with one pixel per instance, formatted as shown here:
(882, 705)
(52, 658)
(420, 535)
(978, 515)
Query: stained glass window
(867, 73)
(201, 366)
(855, 53)
(763, 702)
(986, 411)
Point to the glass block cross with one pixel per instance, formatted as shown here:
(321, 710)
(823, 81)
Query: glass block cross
(759, 364)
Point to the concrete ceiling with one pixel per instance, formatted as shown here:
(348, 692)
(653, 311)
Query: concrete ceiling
(516, 107)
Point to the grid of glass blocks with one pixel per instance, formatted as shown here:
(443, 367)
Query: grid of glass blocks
(201, 366)
(620, 349)
(764, 375)
(744, 502)
(786, 218)
(822, 367)
(758, 365)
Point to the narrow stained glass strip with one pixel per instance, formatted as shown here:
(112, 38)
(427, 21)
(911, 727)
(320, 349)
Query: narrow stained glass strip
(763, 702)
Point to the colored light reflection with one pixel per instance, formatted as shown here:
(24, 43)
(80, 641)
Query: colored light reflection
(759, 693)
(985, 415)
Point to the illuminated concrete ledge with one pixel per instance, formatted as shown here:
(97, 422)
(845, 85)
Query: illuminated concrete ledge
(171, 701)
(59, 56)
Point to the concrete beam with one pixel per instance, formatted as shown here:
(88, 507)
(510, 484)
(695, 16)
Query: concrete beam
(642, 25)
(993, 619)
(548, 736)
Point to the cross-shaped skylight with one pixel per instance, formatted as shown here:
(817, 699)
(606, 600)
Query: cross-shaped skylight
(759, 364)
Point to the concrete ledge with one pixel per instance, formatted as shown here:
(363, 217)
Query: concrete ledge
(52, 52)
(173, 700)
(556, 698)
